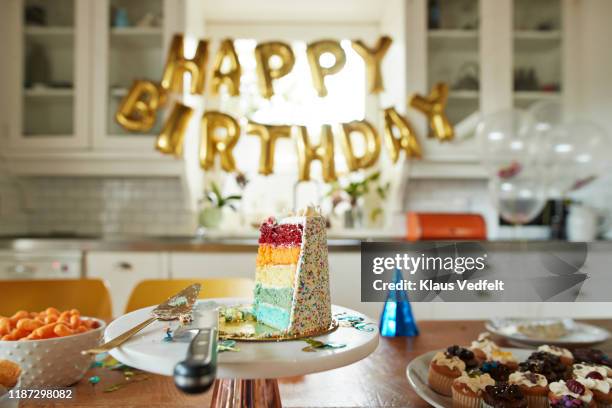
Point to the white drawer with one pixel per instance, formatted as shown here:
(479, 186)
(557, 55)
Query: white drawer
(123, 270)
(185, 265)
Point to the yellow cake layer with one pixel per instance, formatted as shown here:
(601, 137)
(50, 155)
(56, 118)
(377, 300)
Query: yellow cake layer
(271, 255)
(276, 275)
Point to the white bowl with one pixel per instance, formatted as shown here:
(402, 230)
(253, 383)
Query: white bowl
(54, 362)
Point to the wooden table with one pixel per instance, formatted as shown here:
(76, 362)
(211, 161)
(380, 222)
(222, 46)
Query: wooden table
(378, 381)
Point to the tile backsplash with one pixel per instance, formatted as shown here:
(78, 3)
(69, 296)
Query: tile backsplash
(13, 219)
(107, 206)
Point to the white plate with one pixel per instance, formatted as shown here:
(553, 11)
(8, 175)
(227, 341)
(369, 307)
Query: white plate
(418, 369)
(147, 350)
(580, 334)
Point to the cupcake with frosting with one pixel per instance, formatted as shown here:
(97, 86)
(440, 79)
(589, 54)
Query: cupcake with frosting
(503, 395)
(592, 356)
(565, 356)
(467, 389)
(498, 371)
(548, 365)
(596, 379)
(570, 394)
(484, 347)
(533, 386)
(447, 365)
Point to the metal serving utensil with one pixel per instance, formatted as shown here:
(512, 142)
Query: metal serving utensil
(176, 306)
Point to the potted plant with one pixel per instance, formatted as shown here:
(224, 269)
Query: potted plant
(211, 214)
(352, 193)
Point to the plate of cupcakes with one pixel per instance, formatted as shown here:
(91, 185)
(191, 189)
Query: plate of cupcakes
(486, 375)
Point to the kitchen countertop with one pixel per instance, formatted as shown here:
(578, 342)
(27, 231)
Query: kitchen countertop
(377, 381)
(214, 243)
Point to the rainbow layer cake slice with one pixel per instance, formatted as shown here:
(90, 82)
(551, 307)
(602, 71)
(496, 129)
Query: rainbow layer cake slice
(292, 278)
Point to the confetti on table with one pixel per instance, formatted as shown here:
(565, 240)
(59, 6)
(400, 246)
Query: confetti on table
(94, 380)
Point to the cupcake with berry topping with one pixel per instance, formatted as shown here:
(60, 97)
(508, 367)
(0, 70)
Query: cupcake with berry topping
(546, 364)
(533, 386)
(570, 394)
(503, 395)
(467, 389)
(592, 356)
(504, 357)
(596, 379)
(565, 356)
(447, 365)
(498, 371)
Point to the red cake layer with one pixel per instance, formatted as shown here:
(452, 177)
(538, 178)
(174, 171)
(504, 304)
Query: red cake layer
(280, 234)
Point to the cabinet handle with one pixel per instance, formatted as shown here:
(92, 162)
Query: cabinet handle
(125, 266)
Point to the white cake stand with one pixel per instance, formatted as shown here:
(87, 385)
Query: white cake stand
(248, 377)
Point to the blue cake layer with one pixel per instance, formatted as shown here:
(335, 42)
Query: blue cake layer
(272, 316)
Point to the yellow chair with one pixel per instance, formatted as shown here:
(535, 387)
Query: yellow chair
(90, 296)
(154, 291)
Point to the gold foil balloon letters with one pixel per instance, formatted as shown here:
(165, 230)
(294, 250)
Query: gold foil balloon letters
(372, 145)
(314, 52)
(228, 76)
(214, 143)
(266, 71)
(268, 135)
(324, 152)
(433, 106)
(138, 109)
(406, 141)
(373, 58)
(177, 64)
(170, 140)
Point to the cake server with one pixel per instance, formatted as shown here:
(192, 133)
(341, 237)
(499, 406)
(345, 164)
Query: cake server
(175, 307)
(198, 371)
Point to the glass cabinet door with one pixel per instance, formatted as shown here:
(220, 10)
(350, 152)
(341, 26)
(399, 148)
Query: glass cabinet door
(537, 51)
(50, 74)
(453, 54)
(132, 47)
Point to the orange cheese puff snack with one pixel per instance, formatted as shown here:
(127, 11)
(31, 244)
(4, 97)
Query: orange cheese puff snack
(9, 373)
(19, 333)
(62, 330)
(5, 326)
(75, 321)
(18, 316)
(51, 318)
(64, 317)
(28, 324)
(46, 331)
(52, 310)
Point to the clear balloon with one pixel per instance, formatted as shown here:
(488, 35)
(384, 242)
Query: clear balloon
(509, 154)
(505, 138)
(574, 153)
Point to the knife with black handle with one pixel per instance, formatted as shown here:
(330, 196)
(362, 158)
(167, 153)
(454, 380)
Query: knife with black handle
(197, 373)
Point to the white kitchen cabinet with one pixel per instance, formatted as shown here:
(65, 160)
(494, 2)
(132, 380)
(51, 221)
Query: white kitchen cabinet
(66, 76)
(49, 92)
(184, 265)
(123, 270)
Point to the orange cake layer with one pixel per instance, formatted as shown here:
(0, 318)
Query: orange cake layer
(277, 255)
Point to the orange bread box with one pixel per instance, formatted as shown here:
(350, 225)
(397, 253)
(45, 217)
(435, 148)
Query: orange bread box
(445, 226)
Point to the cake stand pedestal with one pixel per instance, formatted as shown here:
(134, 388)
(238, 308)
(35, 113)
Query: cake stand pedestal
(245, 378)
